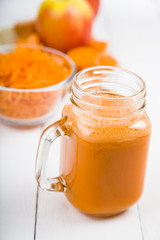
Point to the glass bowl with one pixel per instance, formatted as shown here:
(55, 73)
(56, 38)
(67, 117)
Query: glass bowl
(27, 107)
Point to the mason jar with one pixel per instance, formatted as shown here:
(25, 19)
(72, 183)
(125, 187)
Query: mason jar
(105, 134)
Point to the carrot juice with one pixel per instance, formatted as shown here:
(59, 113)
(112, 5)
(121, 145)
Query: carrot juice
(105, 138)
(104, 164)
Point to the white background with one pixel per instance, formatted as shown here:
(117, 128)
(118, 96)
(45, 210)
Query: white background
(133, 31)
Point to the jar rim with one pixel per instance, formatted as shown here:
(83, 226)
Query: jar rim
(104, 83)
(117, 70)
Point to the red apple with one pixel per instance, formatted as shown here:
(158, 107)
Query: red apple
(95, 5)
(64, 24)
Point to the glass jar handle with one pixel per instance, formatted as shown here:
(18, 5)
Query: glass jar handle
(48, 136)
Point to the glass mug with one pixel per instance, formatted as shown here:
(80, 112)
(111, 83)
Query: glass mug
(105, 137)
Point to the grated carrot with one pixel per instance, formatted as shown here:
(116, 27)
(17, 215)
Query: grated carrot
(27, 68)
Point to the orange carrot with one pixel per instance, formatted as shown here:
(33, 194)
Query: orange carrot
(86, 56)
(83, 56)
(105, 59)
(98, 45)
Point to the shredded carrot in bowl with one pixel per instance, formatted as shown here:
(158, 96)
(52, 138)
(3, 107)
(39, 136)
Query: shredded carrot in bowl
(23, 73)
(27, 68)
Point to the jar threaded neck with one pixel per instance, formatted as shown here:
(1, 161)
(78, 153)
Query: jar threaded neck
(108, 92)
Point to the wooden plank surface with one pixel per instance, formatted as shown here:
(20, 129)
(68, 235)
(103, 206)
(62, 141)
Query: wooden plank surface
(57, 219)
(17, 182)
(133, 30)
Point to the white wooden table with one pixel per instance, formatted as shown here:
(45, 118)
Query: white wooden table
(26, 213)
